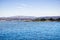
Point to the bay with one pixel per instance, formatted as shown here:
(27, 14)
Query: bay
(29, 30)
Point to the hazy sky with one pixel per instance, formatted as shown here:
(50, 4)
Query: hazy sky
(29, 8)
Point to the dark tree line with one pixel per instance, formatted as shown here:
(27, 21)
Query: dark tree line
(36, 19)
(43, 19)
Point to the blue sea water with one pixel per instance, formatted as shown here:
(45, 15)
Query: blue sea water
(29, 30)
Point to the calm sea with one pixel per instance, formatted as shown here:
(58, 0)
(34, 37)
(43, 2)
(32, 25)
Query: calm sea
(29, 30)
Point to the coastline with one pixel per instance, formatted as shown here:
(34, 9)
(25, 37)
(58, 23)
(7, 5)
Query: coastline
(31, 19)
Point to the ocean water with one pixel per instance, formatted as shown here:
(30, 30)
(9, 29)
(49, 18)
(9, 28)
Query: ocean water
(29, 30)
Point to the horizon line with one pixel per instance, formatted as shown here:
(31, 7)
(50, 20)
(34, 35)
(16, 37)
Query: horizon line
(26, 16)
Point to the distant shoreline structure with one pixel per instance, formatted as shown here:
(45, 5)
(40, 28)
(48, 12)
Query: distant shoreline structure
(30, 18)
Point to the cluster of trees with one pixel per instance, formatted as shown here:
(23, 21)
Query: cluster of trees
(43, 19)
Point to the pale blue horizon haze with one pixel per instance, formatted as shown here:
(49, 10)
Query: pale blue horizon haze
(29, 8)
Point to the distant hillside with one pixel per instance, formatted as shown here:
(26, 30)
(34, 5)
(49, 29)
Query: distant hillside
(30, 18)
(17, 18)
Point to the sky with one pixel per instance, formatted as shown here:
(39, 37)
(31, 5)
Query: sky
(29, 8)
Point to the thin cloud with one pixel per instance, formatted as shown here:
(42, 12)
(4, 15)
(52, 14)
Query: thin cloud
(24, 6)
